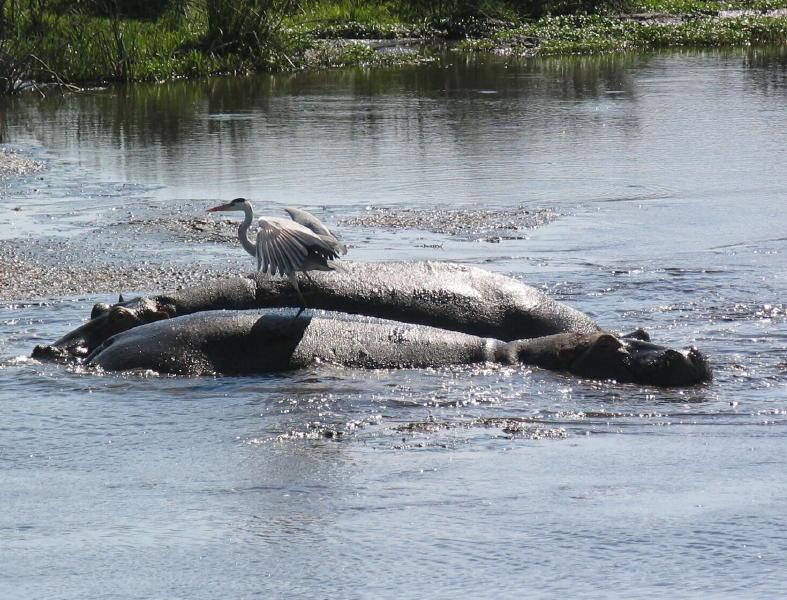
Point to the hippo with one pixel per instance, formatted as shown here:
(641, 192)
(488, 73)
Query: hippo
(250, 342)
(439, 294)
(444, 299)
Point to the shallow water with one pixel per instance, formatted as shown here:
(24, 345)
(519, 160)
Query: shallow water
(667, 173)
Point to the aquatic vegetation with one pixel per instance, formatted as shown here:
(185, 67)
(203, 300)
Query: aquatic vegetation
(585, 34)
(688, 7)
(356, 53)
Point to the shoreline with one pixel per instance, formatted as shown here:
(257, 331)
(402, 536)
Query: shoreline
(352, 44)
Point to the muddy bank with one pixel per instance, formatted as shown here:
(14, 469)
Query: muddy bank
(95, 237)
(13, 164)
(191, 229)
(484, 225)
(152, 252)
(53, 268)
(73, 244)
(471, 225)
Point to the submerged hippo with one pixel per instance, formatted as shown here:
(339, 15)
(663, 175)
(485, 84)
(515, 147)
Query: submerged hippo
(438, 294)
(454, 298)
(246, 342)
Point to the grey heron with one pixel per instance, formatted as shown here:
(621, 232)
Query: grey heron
(285, 247)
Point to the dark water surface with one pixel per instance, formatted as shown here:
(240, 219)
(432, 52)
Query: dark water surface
(669, 176)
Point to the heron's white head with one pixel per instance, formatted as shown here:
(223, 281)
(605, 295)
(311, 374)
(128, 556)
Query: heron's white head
(239, 204)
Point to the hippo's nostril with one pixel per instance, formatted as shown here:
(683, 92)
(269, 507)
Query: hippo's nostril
(700, 363)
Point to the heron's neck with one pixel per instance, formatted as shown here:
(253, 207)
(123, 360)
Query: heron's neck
(244, 229)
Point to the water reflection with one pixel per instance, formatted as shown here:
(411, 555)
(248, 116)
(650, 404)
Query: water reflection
(470, 106)
(766, 69)
(164, 113)
(455, 87)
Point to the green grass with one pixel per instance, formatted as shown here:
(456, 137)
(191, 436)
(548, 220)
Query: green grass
(398, 12)
(324, 13)
(356, 19)
(82, 49)
(359, 30)
(87, 49)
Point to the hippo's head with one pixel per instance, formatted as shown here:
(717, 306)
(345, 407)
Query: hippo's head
(105, 321)
(602, 355)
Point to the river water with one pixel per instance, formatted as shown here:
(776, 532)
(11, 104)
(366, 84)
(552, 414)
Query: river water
(666, 175)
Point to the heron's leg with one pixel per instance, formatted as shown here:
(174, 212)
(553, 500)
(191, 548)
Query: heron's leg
(309, 277)
(294, 281)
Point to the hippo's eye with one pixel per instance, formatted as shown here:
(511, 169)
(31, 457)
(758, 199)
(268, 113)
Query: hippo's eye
(120, 313)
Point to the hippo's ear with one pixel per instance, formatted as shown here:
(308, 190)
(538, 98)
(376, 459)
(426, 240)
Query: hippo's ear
(638, 334)
(120, 299)
(99, 309)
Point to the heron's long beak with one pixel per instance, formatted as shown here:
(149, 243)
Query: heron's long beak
(220, 207)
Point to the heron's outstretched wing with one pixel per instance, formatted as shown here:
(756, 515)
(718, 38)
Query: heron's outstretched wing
(309, 221)
(282, 246)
